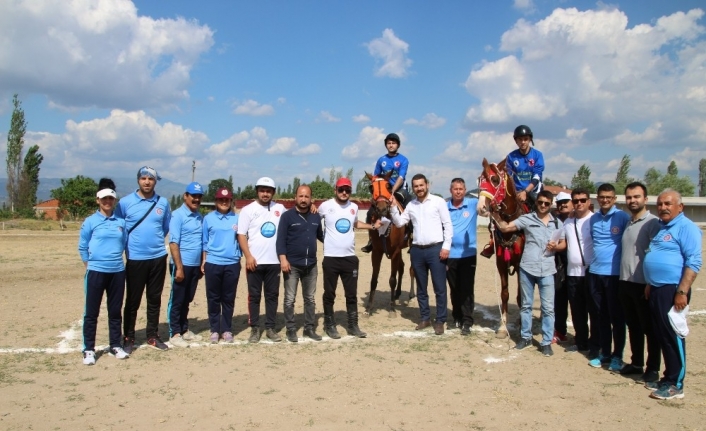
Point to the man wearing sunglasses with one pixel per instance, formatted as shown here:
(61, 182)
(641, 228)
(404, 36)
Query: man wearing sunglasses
(607, 228)
(579, 253)
(537, 267)
(340, 217)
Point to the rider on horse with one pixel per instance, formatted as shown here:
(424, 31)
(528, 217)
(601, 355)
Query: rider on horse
(397, 164)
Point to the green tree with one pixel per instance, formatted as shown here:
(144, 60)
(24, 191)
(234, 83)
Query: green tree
(216, 184)
(296, 182)
(362, 188)
(248, 192)
(622, 177)
(582, 178)
(656, 182)
(29, 182)
(672, 169)
(15, 142)
(551, 182)
(77, 196)
(321, 189)
(702, 177)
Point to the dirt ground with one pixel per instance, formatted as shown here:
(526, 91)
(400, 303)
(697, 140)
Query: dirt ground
(396, 379)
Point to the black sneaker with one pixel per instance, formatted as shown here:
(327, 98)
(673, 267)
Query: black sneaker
(128, 345)
(523, 343)
(629, 369)
(292, 335)
(272, 335)
(367, 248)
(650, 376)
(156, 343)
(546, 350)
(312, 334)
(466, 330)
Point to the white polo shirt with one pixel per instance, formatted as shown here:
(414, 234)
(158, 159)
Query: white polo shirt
(430, 219)
(339, 237)
(260, 224)
(575, 267)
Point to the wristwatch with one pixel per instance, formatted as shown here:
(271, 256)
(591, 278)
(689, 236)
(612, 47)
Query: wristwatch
(681, 292)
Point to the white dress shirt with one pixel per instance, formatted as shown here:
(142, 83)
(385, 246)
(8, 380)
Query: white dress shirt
(430, 219)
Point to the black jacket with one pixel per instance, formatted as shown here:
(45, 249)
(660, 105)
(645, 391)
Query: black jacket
(297, 235)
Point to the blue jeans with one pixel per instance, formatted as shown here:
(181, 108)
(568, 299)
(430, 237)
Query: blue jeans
(545, 285)
(424, 261)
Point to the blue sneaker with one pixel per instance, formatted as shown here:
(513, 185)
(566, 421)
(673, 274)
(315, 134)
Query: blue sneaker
(616, 364)
(599, 361)
(667, 392)
(653, 386)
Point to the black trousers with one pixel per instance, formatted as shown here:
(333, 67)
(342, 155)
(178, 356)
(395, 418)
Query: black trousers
(144, 276)
(561, 305)
(604, 291)
(637, 317)
(96, 282)
(347, 269)
(461, 275)
(264, 278)
(582, 311)
(673, 347)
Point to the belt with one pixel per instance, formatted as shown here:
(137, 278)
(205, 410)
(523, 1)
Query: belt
(427, 245)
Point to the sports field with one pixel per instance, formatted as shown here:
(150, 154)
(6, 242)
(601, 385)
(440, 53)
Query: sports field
(396, 379)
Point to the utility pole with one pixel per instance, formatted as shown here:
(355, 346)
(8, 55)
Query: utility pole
(193, 170)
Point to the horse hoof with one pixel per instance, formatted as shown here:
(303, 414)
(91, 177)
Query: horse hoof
(391, 314)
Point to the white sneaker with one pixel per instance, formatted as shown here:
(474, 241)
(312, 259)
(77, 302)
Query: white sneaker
(119, 353)
(190, 336)
(89, 357)
(178, 341)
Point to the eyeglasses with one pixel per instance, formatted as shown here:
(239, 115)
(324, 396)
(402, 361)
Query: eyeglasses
(581, 200)
(344, 190)
(544, 203)
(606, 198)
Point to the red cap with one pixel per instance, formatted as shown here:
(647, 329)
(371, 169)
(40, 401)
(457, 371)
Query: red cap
(343, 181)
(224, 193)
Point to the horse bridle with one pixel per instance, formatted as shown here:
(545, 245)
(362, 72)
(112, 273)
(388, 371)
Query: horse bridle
(496, 192)
(380, 191)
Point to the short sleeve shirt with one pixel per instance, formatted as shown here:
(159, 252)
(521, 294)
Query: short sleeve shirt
(339, 220)
(260, 223)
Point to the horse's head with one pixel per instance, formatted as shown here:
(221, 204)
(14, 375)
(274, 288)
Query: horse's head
(492, 183)
(381, 191)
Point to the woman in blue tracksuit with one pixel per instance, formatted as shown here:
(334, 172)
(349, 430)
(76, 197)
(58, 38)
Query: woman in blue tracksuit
(101, 246)
(221, 265)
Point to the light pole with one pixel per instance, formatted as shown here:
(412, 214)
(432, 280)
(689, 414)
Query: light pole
(193, 170)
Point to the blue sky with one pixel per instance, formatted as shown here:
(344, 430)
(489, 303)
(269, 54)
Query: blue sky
(289, 89)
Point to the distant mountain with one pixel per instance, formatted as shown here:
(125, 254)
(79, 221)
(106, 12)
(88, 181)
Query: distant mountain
(125, 185)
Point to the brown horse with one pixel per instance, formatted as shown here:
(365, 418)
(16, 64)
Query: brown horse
(390, 244)
(497, 193)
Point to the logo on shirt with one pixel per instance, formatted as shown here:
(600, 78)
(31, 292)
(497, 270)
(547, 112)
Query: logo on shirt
(276, 213)
(466, 214)
(530, 162)
(120, 228)
(268, 229)
(159, 211)
(235, 227)
(384, 164)
(516, 163)
(667, 237)
(343, 225)
(397, 164)
(352, 211)
(615, 230)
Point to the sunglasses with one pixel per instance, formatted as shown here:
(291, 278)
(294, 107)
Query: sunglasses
(606, 198)
(344, 190)
(544, 203)
(582, 200)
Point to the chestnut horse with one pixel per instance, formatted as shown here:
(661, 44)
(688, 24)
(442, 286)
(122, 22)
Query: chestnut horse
(497, 193)
(390, 244)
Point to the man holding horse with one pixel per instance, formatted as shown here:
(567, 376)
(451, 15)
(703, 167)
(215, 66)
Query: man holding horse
(461, 265)
(430, 250)
(340, 216)
(537, 266)
(396, 164)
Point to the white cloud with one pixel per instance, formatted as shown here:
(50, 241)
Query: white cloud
(651, 135)
(430, 121)
(83, 53)
(368, 145)
(251, 107)
(281, 100)
(526, 6)
(290, 146)
(239, 144)
(327, 117)
(361, 118)
(588, 68)
(575, 134)
(491, 145)
(390, 53)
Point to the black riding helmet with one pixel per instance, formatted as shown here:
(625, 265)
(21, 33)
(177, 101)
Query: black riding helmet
(523, 130)
(392, 137)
